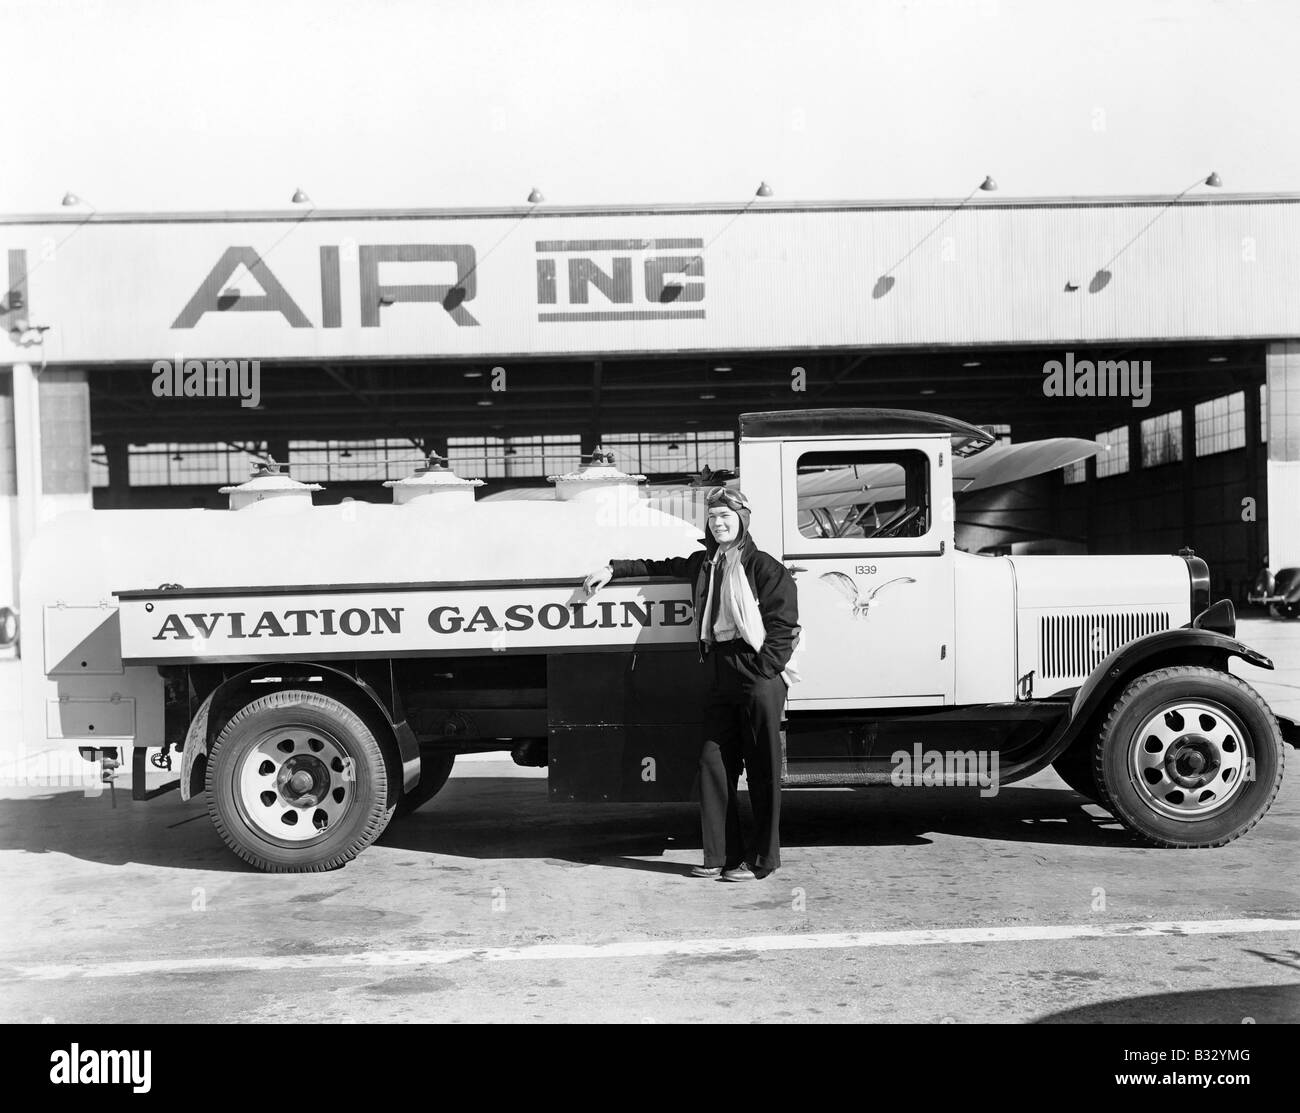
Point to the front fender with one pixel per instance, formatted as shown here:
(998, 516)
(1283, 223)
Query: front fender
(1183, 646)
(1187, 645)
(199, 736)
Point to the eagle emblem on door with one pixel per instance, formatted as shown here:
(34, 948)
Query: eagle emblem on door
(847, 587)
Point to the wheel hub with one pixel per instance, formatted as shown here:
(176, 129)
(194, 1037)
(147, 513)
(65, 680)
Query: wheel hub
(1192, 761)
(303, 780)
(295, 783)
(1188, 760)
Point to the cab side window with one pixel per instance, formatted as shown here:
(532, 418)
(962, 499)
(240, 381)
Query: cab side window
(863, 494)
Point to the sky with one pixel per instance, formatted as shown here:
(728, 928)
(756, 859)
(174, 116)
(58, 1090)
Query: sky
(171, 105)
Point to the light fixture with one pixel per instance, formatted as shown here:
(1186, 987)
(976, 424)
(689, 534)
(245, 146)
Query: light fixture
(674, 447)
(887, 280)
(1218, 359)
(928, 390)
(485, 401)
(535, 197)
(70, 199)
(300, 197)
(1102, 278)
(472, 374)
(385, 299)
(971, 363)
(178, 457)
(707, 397)
(510, 451)
(346, 454)
(763, 190)
(722, 370)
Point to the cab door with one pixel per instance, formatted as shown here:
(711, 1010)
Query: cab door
(867, 532)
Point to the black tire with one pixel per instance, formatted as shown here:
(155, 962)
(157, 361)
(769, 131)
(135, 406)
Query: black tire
(1143, 780)
(1074, 767)
(435, 768)
(260, 811)
(1284, 610)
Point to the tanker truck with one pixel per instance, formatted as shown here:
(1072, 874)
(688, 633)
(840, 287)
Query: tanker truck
(319, 668)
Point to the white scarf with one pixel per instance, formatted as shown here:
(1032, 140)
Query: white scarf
(740, 601)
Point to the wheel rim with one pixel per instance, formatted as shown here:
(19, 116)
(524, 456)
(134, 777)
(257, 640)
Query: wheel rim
(1188, 761)
(295, 784)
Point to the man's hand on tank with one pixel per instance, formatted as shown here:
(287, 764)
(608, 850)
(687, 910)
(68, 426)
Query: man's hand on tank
(598, 579)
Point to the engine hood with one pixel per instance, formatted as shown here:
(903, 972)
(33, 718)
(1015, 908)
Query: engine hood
(1092, 582)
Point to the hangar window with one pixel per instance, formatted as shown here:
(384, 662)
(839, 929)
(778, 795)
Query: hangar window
(1076, 472)
(864, 494)
(513, 457)
(667, 453)
(1162, 439)
(1114, 461)
(1221, 424)
(352, 461)
(187, 465)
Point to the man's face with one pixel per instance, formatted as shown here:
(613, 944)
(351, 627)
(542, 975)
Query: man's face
(724, 523)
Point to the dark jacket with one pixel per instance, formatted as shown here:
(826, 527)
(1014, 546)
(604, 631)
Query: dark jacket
(772, 585)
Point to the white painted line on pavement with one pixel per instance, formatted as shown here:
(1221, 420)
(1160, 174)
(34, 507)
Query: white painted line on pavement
(646, 948)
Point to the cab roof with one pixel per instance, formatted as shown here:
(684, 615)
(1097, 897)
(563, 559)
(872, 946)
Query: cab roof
(967, 439)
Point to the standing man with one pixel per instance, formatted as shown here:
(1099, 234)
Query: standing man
(748, 625)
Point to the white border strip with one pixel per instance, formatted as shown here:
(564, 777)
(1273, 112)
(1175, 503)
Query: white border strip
(647, 948)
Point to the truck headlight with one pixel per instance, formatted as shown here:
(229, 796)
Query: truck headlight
(8, 627)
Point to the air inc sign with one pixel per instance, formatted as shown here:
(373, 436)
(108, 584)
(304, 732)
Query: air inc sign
(632, 280)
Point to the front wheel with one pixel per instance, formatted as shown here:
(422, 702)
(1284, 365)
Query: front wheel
(297, 783)
(1189, 757)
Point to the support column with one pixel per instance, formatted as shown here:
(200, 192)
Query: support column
(9, 550)
(51, 438)
(27, 461)
(1189, 477)
(118, 451)
(1254, 541)
(1282, 368)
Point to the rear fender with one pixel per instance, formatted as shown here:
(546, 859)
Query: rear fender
(234, 692)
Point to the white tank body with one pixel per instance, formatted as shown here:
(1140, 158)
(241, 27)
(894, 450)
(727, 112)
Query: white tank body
(76, 689)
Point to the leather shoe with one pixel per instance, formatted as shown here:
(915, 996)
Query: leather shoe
(740, 873)
(706, 871)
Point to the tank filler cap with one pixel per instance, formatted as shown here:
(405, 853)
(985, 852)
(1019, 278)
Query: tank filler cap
(433, 477)
(270, 481)
(599, 477)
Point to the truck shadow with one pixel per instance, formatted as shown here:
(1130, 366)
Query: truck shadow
(456, 822)
(511, 817)
(1258, 1004)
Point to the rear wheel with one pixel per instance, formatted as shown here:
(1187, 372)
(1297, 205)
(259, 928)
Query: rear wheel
(1189, 757)
(1284, 610)
(298, 782)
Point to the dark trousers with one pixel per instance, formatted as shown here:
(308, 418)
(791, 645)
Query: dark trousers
(742, 728)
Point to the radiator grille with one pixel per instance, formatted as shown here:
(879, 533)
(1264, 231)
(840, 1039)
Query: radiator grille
(1074, 644)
